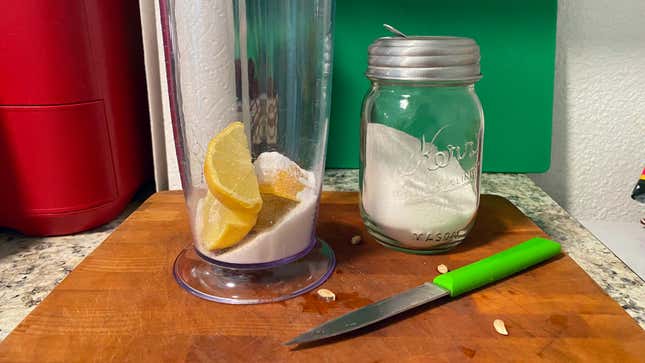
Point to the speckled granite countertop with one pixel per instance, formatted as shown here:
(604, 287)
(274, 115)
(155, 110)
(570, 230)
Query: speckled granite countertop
(31, 267)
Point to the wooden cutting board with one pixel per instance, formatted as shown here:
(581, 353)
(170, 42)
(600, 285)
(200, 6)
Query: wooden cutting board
(122, 303)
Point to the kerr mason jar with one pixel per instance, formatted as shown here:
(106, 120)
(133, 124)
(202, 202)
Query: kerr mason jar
(421, 142)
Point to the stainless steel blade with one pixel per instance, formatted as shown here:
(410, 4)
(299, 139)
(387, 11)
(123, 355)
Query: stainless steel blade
(373, 313)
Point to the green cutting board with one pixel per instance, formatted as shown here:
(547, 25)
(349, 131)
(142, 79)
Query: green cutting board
(517, 41)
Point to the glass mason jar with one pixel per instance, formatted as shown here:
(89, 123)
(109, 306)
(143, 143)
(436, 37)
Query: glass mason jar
(249, 89)
(421, 142)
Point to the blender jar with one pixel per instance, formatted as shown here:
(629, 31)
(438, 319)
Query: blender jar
(249, 86)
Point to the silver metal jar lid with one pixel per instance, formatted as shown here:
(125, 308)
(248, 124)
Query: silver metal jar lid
(423, 58)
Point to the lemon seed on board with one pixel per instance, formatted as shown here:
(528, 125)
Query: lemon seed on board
(326, 295)
(500, 327)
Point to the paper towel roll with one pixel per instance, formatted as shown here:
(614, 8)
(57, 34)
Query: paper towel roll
(206, 45)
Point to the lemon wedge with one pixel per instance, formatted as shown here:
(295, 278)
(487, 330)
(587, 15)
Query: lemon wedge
(280, 176)
(285, 184)
(229, 172)
(221, 226)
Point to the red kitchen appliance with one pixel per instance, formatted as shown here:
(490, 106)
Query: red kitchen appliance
(74, 129)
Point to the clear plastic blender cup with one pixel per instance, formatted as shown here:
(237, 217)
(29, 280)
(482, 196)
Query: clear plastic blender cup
(249, 86)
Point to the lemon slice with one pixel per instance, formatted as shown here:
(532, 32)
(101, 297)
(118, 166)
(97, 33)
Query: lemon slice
(221, 226)
(285, 184)
(280, 176)
(229, 172)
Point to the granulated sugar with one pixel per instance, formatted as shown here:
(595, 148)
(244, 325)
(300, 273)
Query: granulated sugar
(291, 234)
(408, 202)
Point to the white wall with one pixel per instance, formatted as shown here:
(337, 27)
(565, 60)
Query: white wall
(599, 109)
(163, 148)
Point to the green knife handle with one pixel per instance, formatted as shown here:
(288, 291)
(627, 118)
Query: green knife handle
(497, 266)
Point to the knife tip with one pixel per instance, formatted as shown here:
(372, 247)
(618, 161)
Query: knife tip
(298, 340)
(291, 342)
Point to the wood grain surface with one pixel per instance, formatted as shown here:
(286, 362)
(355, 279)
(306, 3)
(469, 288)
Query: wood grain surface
(122, 304)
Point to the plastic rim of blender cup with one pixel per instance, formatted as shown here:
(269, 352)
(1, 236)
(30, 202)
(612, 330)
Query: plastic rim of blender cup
(207, 276)
(254, 286)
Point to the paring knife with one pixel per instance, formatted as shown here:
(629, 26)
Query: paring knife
(453, 283)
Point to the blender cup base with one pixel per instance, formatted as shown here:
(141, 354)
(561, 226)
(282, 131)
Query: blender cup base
(236, 286)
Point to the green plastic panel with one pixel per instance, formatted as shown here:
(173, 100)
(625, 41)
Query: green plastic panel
(517, 40)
